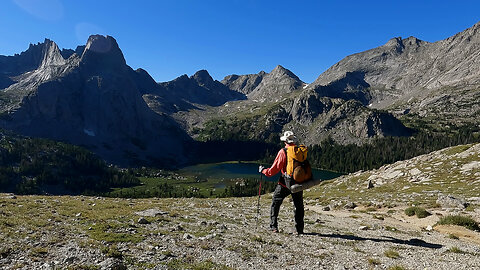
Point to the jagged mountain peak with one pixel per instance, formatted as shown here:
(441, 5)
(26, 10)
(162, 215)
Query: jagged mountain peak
(413, 41)
(244, 83)
(51, 54)
(263, 86)
(281, 71)
(279, 68)
(48, 41)
(183, 77)
(199, 89)
(396, 41)
(103, 52)
(275, 84)
(31, 59)
(399, 44)
(101, 44)
(202, 77)
(39, 45)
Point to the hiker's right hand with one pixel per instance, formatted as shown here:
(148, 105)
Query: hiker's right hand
(260, 168)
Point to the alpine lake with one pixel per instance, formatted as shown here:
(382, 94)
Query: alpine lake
(226, 173)
(209, 180)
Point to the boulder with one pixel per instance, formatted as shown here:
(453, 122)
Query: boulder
(143, 220)
(112, 264)
(151, 213)
(451, 202)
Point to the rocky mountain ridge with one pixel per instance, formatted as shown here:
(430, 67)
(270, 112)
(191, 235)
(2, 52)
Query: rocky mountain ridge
(91, 100)
(265, 86)
(420, 81)
(404, 72)
(82, 95)
(200, 88)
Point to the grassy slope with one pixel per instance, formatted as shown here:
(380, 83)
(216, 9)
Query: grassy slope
(416, 180)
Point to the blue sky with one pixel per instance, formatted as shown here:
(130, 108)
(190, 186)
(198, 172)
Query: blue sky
(171, 38)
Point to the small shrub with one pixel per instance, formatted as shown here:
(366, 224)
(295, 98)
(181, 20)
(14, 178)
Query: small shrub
(168, 253)
(455, 250)
(258, 239)
(453, 236)
(112, 252)
(5, 251)
(422, 213)
(470, 208)
(311, 222)
(410, 211)
(418, 211)
(205, 245)
(39, 251)
(356, 249)
(372, 261)
(110, 233)
(463, 221)
(392, 254)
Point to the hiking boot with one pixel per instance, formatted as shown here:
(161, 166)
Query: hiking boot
(275, 230)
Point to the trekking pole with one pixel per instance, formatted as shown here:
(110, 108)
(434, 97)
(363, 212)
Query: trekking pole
(258, 204)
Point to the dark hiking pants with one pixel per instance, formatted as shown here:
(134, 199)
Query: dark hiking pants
(279, 194)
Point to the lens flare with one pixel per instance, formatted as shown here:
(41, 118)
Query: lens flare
(49, 10)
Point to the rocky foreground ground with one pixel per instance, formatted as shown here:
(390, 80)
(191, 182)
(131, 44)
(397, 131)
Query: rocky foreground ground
(349, 225)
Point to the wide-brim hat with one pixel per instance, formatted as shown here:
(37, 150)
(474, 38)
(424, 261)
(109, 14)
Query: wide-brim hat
(288, 137)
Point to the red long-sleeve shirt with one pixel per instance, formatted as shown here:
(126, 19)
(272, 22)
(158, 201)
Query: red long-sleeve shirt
(279, 165)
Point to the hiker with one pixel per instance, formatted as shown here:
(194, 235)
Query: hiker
(282, 191)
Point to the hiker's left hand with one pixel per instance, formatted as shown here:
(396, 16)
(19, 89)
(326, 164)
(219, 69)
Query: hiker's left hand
(260, 168)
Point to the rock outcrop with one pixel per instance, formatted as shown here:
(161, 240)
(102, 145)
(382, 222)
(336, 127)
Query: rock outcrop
(310, 115)
(316, 118)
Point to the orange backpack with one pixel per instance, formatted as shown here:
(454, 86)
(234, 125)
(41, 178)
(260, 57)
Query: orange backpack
(298, 167)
